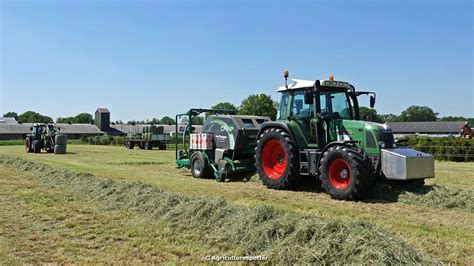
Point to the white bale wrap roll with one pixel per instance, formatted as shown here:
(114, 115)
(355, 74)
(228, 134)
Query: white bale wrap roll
(60, 149)
(60, 140)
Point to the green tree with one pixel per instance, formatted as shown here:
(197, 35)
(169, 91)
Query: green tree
(167, 120)
(418, 114)
(389, 118)
(198, 120)
(34, 117)
(11, 114)
(369, 114)
(259, 104)
(223, 106)
(65, 120)
(83, 118)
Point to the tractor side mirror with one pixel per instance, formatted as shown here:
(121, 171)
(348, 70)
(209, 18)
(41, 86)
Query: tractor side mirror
(31, 128)
(372, 101)
(308, 96)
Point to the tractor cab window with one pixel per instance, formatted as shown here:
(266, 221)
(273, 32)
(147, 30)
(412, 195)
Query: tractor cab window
(336, 102)
(299, 108)
(282, 110)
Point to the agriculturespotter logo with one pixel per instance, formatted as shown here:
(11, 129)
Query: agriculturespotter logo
(235, 258)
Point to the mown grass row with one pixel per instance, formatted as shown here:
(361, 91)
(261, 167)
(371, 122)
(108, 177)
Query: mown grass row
(430, 196)
(283, 236)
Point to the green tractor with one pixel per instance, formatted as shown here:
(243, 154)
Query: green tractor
(319, 134)
(225, 149)
(42, 137)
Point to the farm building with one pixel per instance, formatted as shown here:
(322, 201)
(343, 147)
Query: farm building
(12, 129)
(432, 129)
(7, 120)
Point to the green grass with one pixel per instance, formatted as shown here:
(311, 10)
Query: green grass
(232, 229)
(441, 232)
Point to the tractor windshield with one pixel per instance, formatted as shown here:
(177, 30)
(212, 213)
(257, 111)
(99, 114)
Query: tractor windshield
(336, 102)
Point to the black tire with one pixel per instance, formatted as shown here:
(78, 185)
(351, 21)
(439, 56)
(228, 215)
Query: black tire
(141, 146)
(224, 174)
(281, 167)
(416, 183)
(128, 145)
(28, 145)
(162, 146)
(36, 146)
(49, 147)
(199, 166)
(345, 174)
(148, 145)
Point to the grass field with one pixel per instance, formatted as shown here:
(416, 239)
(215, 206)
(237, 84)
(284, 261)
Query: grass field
(43, 223)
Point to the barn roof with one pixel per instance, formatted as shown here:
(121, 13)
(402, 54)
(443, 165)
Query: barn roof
(8, 120)
(427, 127)
(127, 128)
(103, 110)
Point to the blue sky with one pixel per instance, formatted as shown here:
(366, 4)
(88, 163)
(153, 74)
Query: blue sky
(144, 59)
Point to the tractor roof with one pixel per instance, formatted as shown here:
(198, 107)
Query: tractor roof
(302, 83)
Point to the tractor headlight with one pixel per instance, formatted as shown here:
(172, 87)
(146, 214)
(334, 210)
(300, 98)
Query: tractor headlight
(382, 144)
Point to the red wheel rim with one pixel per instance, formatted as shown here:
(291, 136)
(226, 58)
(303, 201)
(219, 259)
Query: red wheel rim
(27, 144)
(340, 174)
(274, 159)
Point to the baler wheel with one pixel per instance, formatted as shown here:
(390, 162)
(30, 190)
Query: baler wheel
(199, 166)
(276, 159)
(345, 174)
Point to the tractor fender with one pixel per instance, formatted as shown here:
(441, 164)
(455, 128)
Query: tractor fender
(332, 144)
(275, 124)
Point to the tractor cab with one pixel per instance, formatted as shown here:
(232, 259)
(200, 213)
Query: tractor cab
(320, 107)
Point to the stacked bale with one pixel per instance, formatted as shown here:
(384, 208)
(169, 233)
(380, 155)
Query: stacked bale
(60, 144)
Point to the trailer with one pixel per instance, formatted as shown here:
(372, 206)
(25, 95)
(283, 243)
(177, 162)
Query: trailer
(151, 136)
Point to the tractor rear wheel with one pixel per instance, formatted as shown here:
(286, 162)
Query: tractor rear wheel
(129, 145)
(36, 146)
(28, 145)
(276, 159)
(345, 174)
(199, 166)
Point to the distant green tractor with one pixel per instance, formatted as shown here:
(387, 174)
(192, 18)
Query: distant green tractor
(42, 137)
(319, 134)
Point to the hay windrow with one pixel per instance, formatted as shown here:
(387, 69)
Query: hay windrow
(284, 236)
(431, 196)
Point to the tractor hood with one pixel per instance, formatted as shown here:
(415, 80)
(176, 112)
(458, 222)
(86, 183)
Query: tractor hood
(367, 134)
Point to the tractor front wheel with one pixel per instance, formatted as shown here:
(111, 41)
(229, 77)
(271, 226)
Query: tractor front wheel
(36, 146)
(28, 145)
(276, 159)
(345, 174)
(199, 166)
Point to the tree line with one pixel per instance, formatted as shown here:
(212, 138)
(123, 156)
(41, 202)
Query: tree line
(257, 104)
(413, 113)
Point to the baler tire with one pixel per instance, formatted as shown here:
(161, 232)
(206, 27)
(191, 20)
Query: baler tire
(199, 166)
(283, 172)
(148, 145)
(358, 168)
(36, 146)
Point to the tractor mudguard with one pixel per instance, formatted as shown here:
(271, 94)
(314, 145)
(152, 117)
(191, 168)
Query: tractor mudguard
(275, 124)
